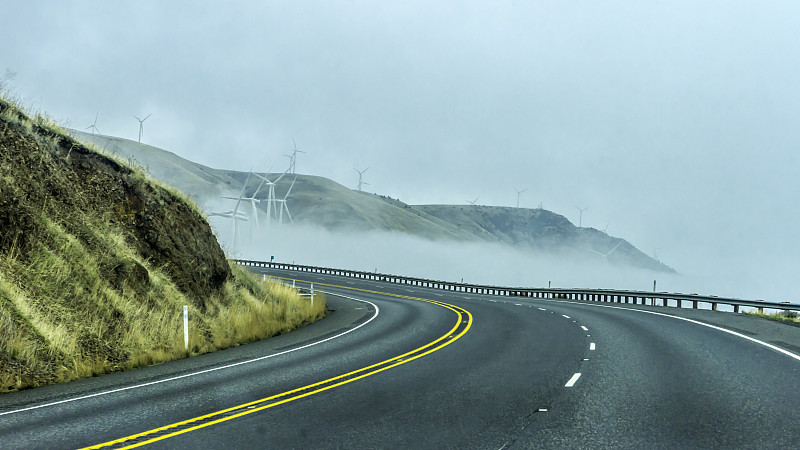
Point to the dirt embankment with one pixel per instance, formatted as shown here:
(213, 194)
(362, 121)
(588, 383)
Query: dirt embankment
(96, 262)
(45, 173)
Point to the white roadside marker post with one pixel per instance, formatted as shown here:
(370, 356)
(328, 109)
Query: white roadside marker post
(186, 327)
(312, 294)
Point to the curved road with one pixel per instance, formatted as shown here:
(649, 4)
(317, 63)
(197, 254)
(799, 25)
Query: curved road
(396, 366)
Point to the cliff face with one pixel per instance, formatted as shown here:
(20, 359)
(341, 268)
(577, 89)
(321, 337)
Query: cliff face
(48, 178)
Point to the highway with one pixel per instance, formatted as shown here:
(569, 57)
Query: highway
(397, 366)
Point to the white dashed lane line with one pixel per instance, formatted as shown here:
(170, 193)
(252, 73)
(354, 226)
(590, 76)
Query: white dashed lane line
(565, 316)
(573, 380)
(584, 328)
(592, 346)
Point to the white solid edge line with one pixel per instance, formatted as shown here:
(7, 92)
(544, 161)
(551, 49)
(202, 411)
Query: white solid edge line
(573, 380)
(696, 322)
(228, 366)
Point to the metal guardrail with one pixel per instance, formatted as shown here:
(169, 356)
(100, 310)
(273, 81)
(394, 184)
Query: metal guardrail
(601, 295)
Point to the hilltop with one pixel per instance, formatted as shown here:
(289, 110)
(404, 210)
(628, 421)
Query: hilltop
(97, 261)
(322, 202)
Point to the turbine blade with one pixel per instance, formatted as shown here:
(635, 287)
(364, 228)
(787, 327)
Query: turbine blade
(615, 247)
(259, 188)
(239, 200)
(290, 189)
(282, 175)
(287, 213)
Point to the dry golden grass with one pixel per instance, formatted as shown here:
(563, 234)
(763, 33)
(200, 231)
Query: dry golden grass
(787, 317)
(61, 320)
(80, 300)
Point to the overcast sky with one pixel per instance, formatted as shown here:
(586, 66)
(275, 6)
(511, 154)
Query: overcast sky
(674, 122)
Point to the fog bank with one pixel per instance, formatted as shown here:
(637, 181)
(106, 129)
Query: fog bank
(480, 263)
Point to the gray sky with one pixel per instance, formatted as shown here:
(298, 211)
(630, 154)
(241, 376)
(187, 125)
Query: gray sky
(675, 122)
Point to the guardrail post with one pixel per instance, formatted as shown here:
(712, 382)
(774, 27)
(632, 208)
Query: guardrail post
(713, 306)
(736, 308)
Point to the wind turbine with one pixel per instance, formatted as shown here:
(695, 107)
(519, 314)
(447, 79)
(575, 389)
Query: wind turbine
(271, 194)
(360, 179)
(605, 255)
(580, 220)
(235, 215)
(472, 202)
(141, 125)
(283, 206)
(252, 200)
(518, 192)
(94, 125)
(293, 158)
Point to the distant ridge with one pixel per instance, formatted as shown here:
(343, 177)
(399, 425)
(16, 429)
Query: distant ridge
(322, 202)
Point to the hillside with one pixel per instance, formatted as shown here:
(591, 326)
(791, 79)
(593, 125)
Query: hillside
(97, 261)
(542, 230)
(325, 203)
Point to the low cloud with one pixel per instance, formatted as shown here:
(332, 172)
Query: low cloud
(478, 263)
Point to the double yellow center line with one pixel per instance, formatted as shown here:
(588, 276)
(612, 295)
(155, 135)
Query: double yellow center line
(462, 325)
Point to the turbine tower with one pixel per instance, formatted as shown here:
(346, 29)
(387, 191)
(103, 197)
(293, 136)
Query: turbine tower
(235, 215)
(253, 209)
(361, 182)
(580, 220)
(518, 192)
(141, 125)
(282, 206)
(293, 158)
(271, 194)
(94, 125)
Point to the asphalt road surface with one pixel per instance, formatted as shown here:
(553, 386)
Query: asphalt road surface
(406, 367)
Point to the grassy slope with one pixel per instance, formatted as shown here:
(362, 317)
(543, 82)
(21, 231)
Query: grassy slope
(333, 206)
(314, 199)
(97, 261)
(540, 229)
